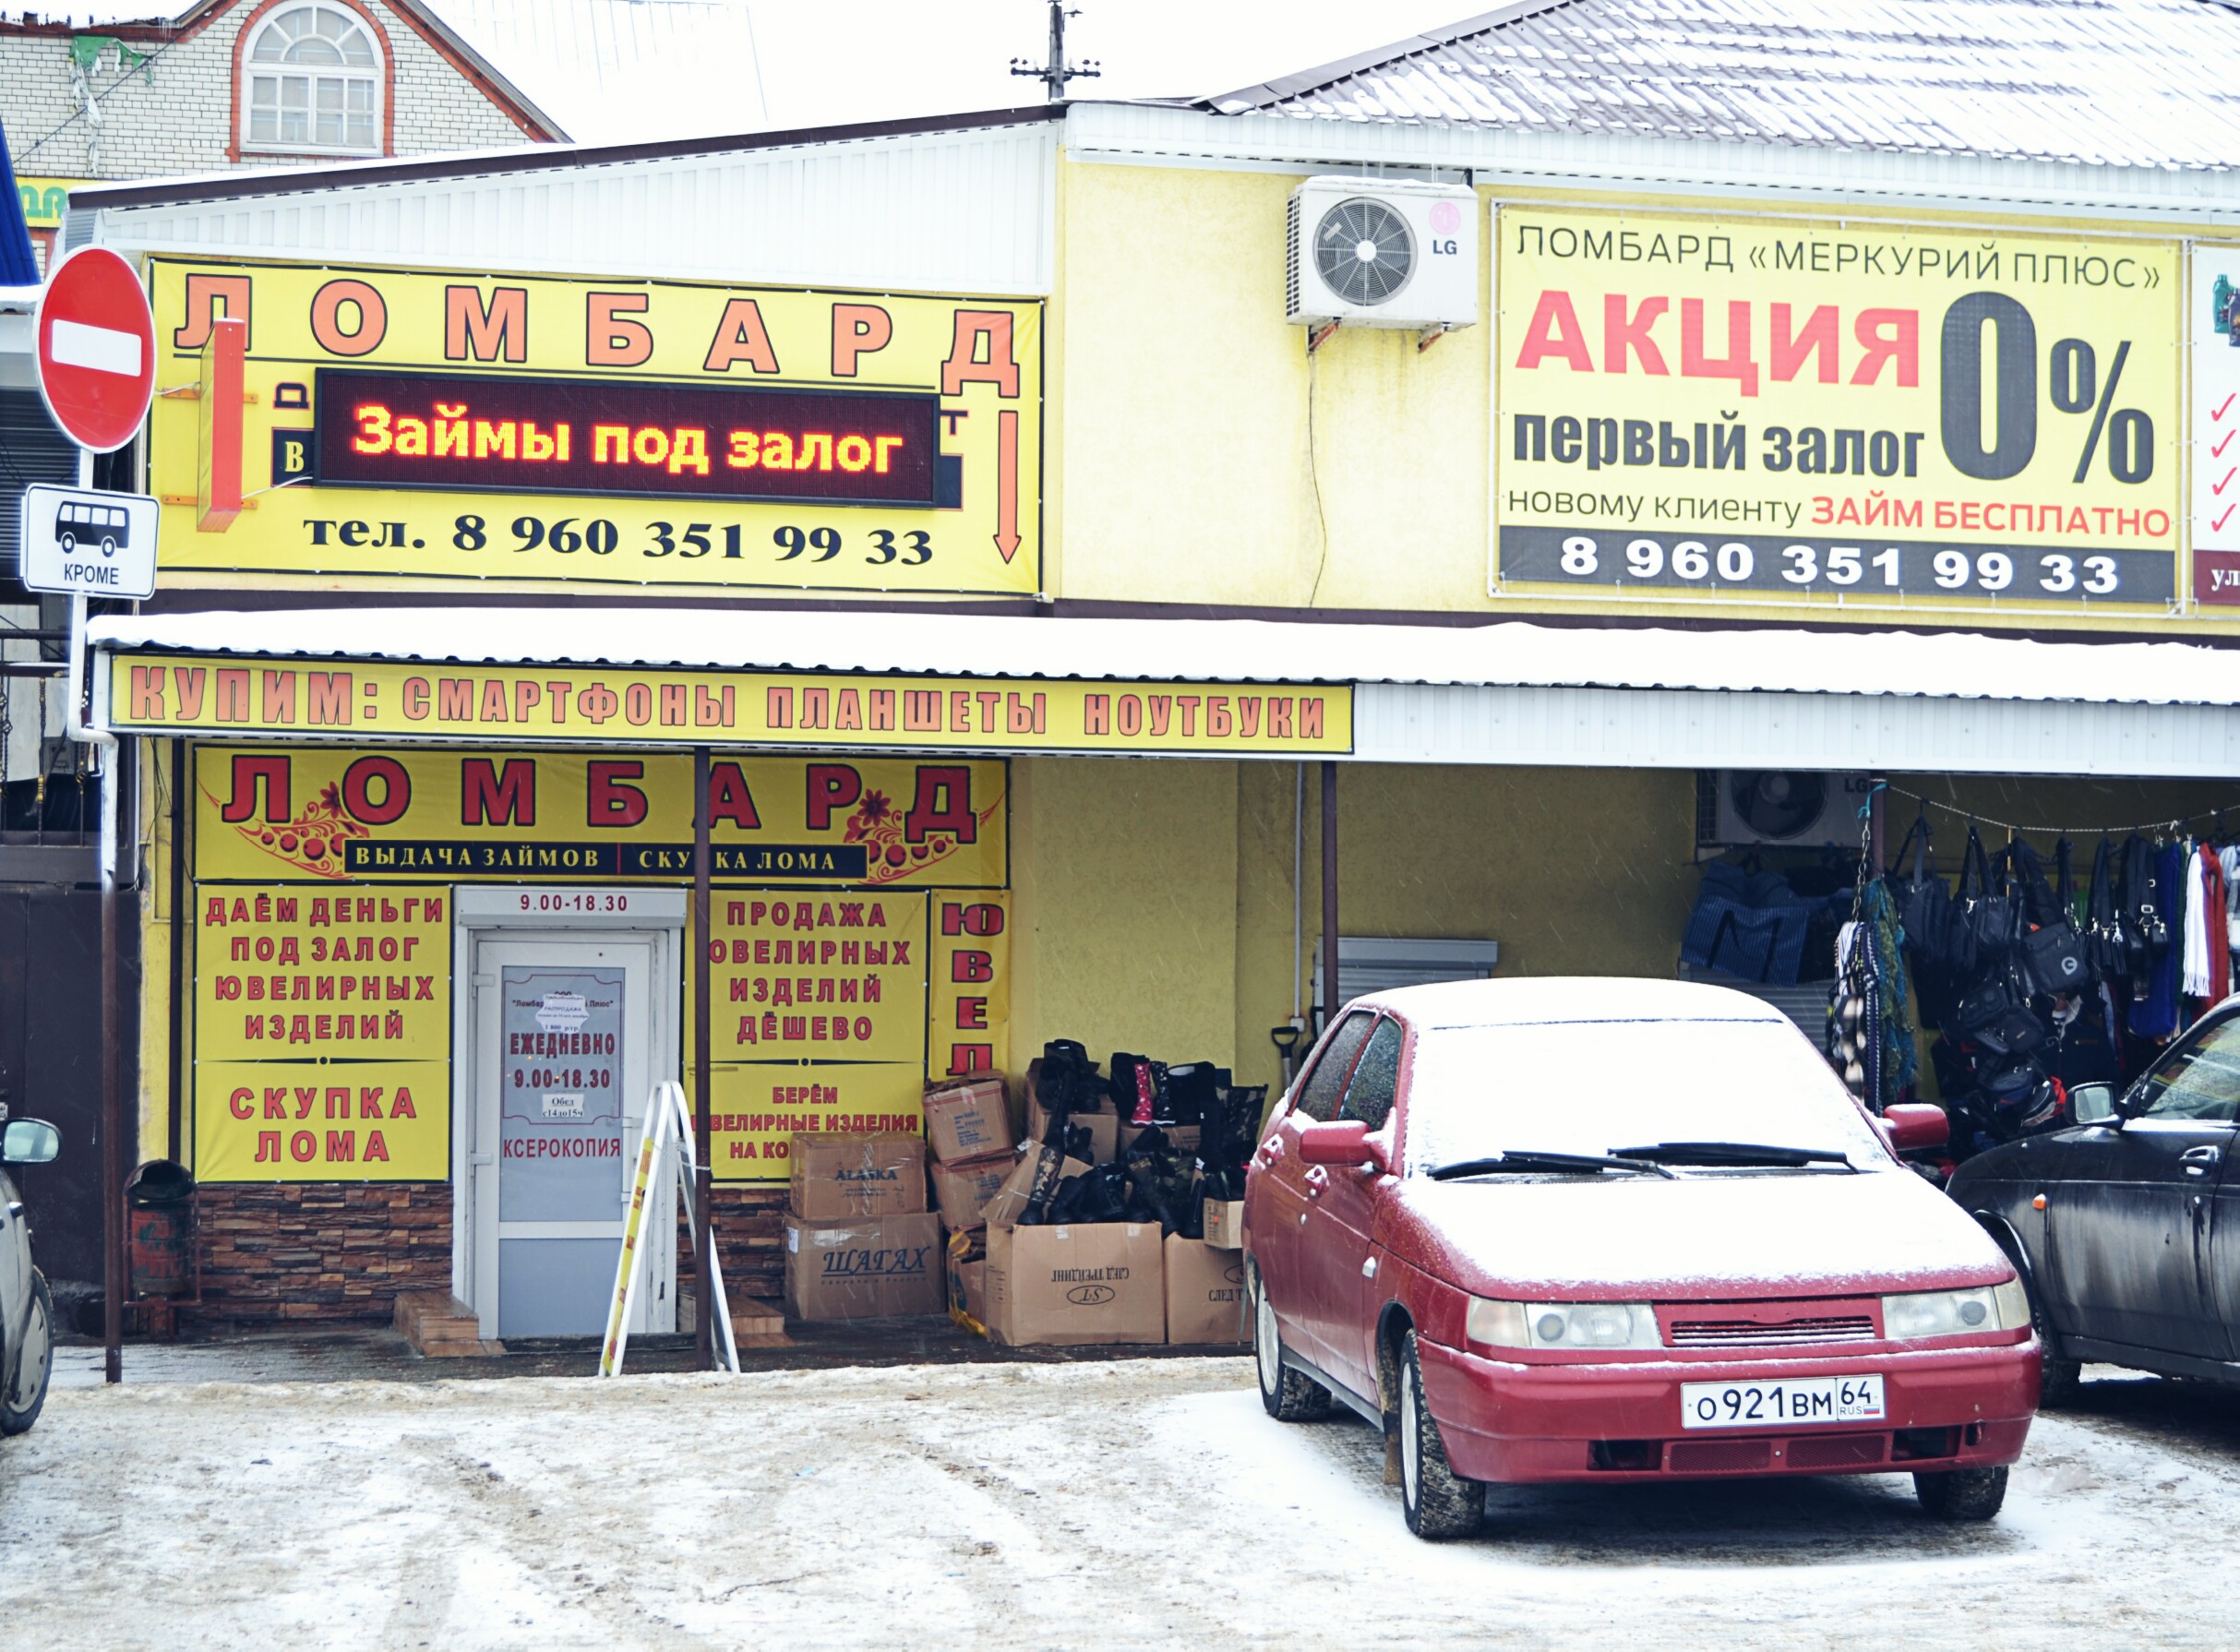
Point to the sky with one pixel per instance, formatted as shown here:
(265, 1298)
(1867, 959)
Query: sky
(614, 71)
(861, 59)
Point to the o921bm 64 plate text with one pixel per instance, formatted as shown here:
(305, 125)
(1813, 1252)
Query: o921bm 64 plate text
(1780, 1404)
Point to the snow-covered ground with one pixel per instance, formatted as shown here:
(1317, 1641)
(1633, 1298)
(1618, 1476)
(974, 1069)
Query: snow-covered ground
(1086, 1505)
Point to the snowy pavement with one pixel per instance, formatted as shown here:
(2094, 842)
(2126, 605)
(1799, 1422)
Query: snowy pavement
(1089, 1506)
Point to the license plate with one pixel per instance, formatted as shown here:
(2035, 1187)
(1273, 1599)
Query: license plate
(1783, 1405)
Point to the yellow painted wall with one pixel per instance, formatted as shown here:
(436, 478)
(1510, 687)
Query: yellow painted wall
(1575, 872)
(1206, 459)
(1123, 900)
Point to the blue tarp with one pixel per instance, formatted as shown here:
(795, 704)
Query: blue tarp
(17, 267)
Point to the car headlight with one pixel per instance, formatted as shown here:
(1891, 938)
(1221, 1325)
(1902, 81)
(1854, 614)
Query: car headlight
(1956, 1312)
(1563, 1324)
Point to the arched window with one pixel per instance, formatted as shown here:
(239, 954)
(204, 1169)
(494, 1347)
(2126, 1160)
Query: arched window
(313, 82)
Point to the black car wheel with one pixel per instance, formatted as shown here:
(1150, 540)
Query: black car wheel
(19, 1406)
(2060, 1379)
(1439, 1502)
(1288, 1395)
(1962, 1494)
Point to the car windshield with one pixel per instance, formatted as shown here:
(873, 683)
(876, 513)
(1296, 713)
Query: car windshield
(1592, 1087)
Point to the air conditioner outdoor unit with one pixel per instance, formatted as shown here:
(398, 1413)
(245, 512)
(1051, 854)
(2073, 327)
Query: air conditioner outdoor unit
(1780, 807)
(1382, 253)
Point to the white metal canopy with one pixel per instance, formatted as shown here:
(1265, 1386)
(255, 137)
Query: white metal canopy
(1504, 693)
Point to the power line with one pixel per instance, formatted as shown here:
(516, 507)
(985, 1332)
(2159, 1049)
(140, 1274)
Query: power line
(147, 62)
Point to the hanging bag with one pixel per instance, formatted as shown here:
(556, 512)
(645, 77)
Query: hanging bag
(2054, 954)
(2103, 923)
(1961, 946)
(1989, 1017)
(1998, 916)
(1925, 905)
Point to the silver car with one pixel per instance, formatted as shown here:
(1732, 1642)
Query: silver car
(27, 1309)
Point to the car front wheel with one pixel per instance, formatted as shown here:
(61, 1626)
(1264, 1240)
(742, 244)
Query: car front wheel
(1288, 1395)
(20, 1405)
(1962, 1494)
(1438, 1502)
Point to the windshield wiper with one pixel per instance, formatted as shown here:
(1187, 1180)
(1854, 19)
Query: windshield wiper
(1574, 1162)
(1733, 1153)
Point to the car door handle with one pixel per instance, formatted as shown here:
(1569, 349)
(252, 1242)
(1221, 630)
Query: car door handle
(2197, 1160)
(1317, 1180)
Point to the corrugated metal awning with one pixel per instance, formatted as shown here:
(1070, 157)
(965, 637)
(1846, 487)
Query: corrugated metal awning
(1950, 665)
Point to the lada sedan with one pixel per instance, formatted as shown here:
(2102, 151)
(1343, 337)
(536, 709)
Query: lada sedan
(1623, 1230)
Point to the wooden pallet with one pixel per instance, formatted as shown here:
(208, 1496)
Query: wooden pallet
(441, 1326)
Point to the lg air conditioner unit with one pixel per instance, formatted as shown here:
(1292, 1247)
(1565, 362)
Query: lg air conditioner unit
(1381, 253)
(1801, 808)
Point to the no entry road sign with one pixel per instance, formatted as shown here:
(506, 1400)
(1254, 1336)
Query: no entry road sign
(97, 349)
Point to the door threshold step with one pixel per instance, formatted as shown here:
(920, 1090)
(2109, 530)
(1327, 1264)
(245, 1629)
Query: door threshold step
(440, 1327)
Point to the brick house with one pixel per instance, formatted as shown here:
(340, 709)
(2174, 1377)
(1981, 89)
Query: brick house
(226, 84)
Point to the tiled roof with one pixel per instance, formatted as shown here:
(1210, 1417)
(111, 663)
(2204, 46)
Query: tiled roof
(2111, 82)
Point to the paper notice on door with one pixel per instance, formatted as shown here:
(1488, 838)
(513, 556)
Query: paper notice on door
(562, 1012)
(564, 1106)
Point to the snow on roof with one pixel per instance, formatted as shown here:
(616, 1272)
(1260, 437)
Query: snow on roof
(1540, 1000)
(2112, 82)
(621, 71)
(1513, 654)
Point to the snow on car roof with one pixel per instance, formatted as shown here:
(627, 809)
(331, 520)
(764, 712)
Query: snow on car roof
(1544, 999)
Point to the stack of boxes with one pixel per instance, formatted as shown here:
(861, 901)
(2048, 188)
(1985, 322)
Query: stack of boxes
(968, 1128)
(859, 1241)
(874, 1229)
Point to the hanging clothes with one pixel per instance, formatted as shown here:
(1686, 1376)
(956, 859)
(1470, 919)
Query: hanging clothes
(2214, 900)
(2228, 861)
(2154, 1012)
(2194, 979)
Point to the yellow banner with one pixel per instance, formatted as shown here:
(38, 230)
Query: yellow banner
(322, 1033)
(631, 434)
(337, 812)
(360, 698)
(46, 200)
(969, 992)
(1811, 411)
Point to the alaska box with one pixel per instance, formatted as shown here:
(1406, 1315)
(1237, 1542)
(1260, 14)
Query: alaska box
(969, 1121)
(865, 1270)
(1100, 1282)
(1204, 1292)
(838, 1178)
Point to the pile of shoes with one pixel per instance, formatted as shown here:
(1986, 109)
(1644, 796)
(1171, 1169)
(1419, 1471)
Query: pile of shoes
(1119, 1220)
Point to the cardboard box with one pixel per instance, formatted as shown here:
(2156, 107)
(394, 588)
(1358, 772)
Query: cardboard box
(864, 1270)
(1204, 1292)
(1224, 1224)
(1010, 1198)
(967, 1121)
(839, 1177)
(1102, 1282)
(1103, 1128)
(961, 1190)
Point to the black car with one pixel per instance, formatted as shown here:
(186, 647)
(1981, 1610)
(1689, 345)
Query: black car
(2126, 1226)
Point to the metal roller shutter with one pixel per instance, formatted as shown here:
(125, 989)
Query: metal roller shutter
(31, 449)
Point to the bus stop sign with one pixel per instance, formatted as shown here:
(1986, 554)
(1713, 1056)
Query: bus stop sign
(88, 542)
(97, 349)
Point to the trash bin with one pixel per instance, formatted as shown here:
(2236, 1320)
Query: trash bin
(159, 1223)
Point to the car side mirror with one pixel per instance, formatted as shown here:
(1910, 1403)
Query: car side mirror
(1913, 1126)
(30, 1141)
(1345, 1143)
(2096, 1103)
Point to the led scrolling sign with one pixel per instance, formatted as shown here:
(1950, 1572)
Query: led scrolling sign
(604, 437)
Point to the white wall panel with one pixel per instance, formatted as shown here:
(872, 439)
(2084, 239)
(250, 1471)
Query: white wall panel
(965, 211)
(1664, 728)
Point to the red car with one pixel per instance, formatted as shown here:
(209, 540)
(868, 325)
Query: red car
(1613, 1230)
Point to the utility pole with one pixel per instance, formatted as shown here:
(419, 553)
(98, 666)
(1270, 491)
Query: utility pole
(1056, 71)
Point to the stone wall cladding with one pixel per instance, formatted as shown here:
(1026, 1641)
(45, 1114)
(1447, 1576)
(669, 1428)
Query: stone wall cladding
(319, 1252)
(339, 1252)
(175, 114)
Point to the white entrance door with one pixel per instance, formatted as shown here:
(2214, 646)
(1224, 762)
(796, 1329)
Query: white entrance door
(567, 1060)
